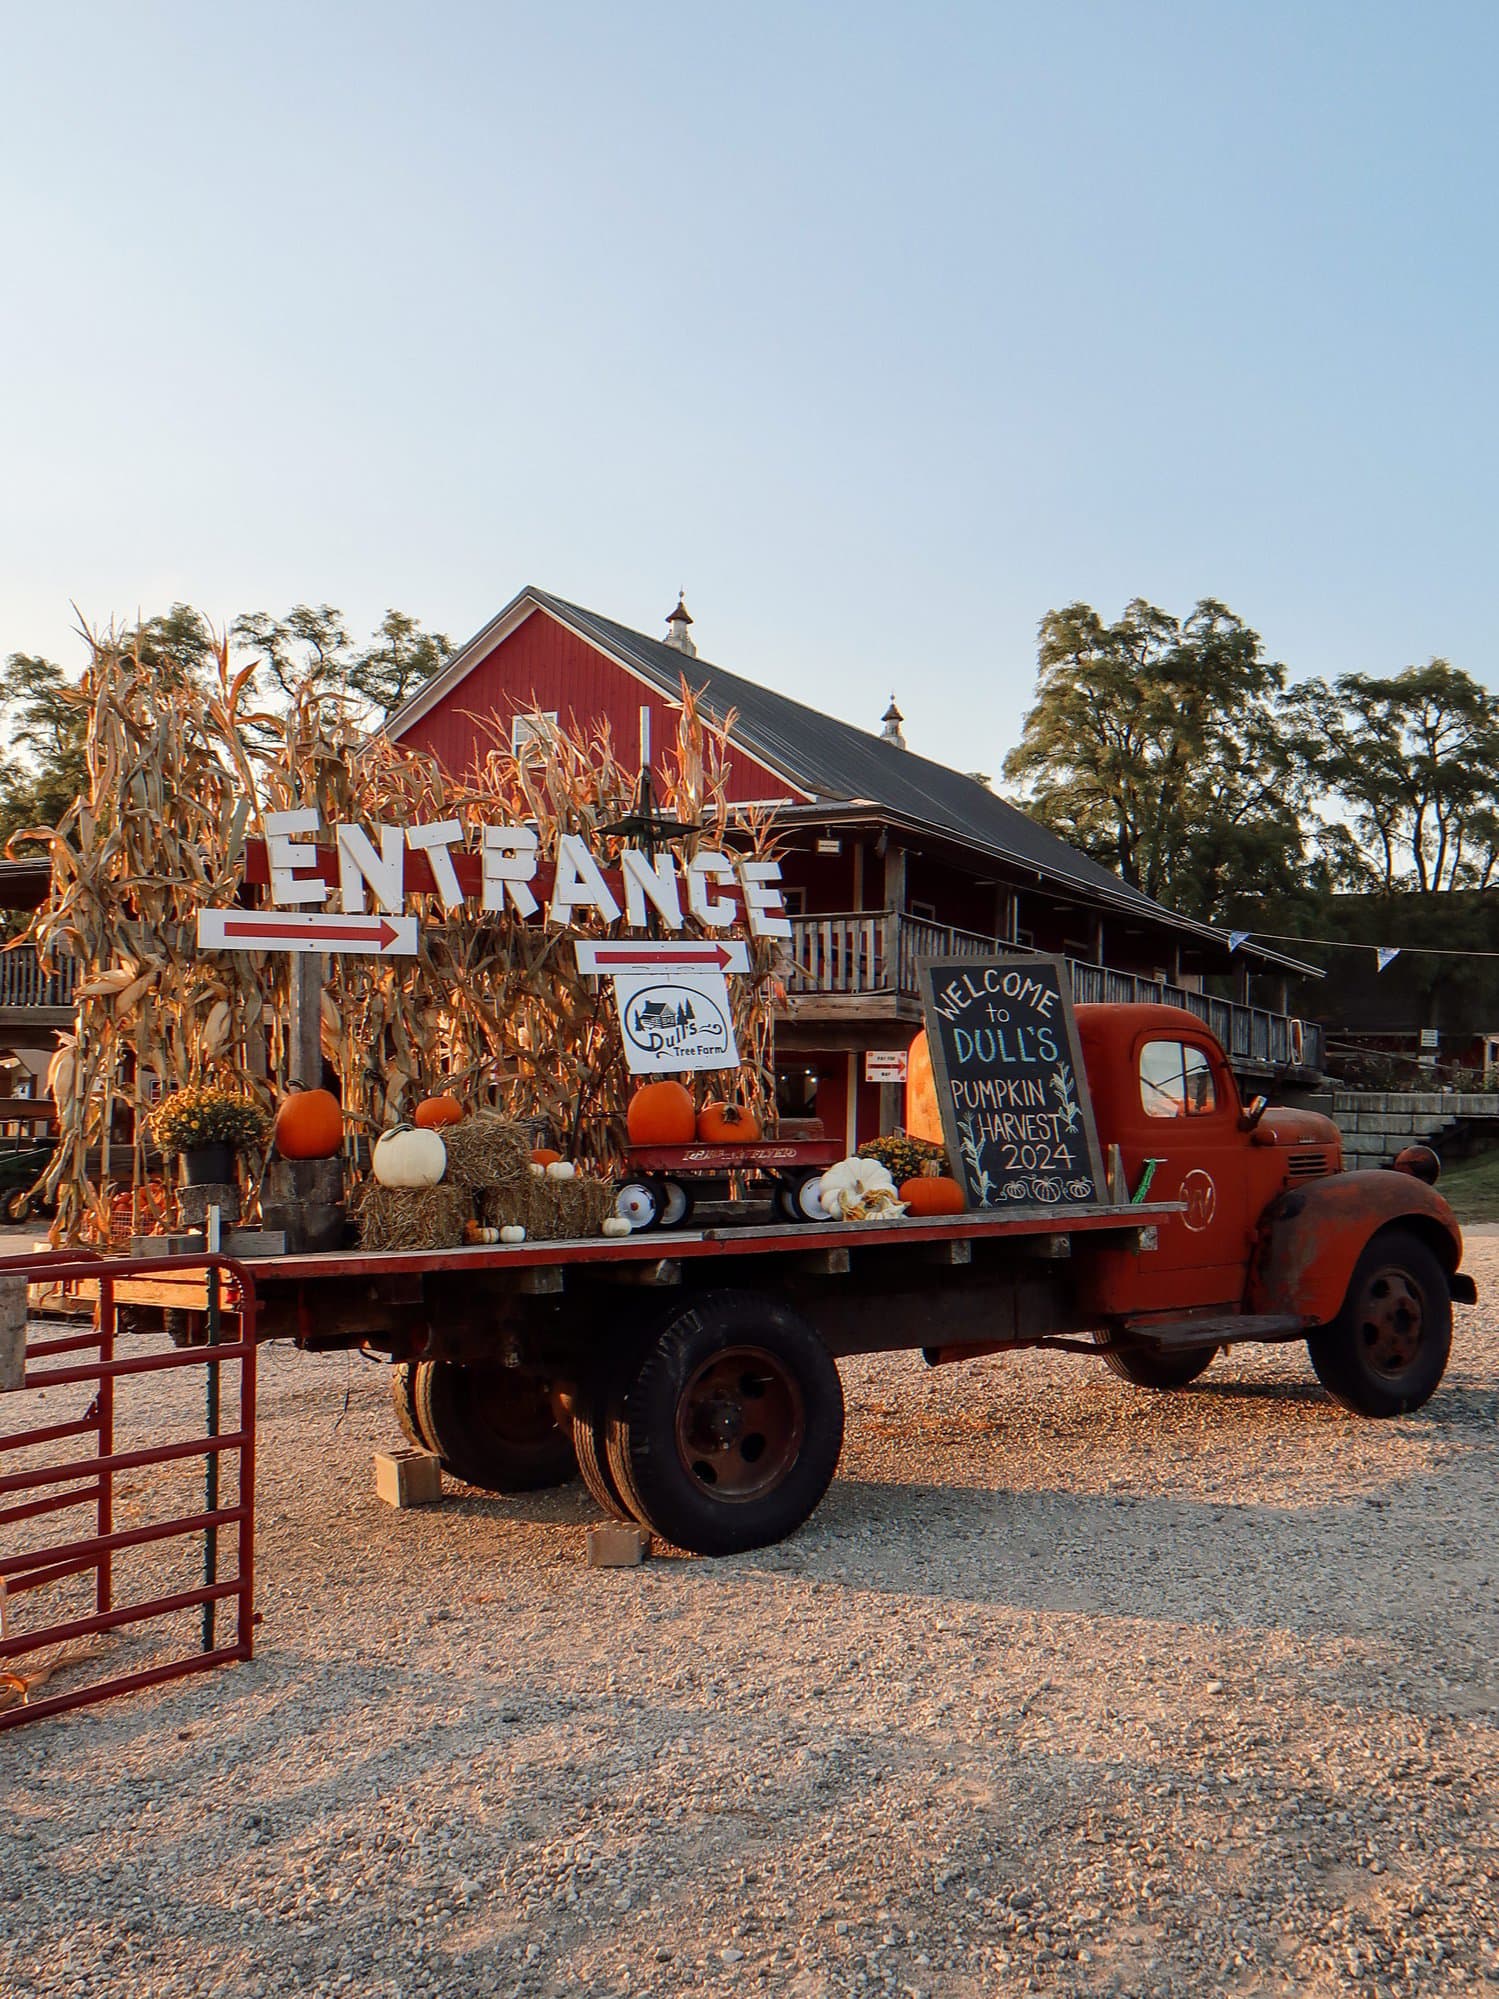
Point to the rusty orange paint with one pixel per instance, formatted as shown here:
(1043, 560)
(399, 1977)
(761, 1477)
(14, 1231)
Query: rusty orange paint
(1313, 1236)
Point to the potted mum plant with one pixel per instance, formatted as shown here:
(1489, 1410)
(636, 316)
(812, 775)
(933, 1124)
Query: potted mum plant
(206, 1128)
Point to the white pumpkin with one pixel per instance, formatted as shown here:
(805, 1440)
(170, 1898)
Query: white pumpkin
(407, 1157)
(860, 1190)
(616, 1225)
(512, 1232)
(538, 1171)
(561, 1169)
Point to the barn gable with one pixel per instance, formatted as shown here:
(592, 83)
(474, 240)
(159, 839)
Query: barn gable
(533, 657)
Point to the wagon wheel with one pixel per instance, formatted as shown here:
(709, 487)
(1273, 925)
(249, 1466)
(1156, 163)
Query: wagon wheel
(798, 1197)
(641, 1204)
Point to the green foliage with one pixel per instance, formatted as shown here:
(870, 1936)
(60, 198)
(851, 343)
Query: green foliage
(903, 1157)
(46, 721)
(311, 645)
(1413, 761)
(1161, 747)
(190, 1118)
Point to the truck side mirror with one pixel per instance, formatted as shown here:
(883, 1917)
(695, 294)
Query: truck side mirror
(1252, 1112)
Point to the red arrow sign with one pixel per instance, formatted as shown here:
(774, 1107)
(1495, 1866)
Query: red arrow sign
(626, 955)
(329, 932)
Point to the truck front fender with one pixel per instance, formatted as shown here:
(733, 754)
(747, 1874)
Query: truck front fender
(1313, 1235)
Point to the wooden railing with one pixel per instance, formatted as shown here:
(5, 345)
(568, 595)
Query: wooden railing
(852, 953)
(23, 983)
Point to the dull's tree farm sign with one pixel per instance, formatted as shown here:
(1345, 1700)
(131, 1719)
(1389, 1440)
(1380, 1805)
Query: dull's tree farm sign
(1010, 1083)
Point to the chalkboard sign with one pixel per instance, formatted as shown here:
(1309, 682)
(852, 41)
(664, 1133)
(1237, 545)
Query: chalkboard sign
(1011, 1088)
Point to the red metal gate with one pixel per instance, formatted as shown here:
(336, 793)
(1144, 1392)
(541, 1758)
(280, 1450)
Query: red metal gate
(224, 1291)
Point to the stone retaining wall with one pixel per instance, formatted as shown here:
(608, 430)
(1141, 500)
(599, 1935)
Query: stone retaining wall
(1376, 1123)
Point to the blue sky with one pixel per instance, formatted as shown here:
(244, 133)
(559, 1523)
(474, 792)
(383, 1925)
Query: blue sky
(882, 328)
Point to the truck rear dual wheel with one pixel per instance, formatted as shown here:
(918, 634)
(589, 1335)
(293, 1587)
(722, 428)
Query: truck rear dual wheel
(495, 1427)
(730, 1432)
(591, 1443)
(1150, 1366)
(1387, 1349)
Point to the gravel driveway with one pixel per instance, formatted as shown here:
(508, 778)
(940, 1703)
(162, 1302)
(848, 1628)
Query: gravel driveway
(1067, 1687)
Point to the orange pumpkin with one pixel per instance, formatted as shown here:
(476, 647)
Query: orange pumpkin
(309, 1125)
(923, 1119)
(434, 1111)
(543, 1155)
(661, 1114)
(932, 1194)
(727, 1124)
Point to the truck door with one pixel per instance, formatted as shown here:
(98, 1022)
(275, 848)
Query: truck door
(1186, 1117)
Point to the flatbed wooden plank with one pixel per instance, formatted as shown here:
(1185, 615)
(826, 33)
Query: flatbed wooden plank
(651, 1245)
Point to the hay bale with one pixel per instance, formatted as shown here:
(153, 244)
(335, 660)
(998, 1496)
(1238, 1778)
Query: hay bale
(413, 1217)
(549, 1210)
(487, 1149)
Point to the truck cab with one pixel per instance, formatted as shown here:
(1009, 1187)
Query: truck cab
(1270, 1238)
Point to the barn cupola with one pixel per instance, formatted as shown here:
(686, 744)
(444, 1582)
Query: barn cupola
(676, 628)
(892, 719)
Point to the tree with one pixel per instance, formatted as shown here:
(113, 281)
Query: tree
(1162, 748)
(48, 724)
(312, 646)
(1411, 762)
(399, 659)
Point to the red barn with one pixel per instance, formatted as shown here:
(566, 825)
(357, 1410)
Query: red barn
(889, 856)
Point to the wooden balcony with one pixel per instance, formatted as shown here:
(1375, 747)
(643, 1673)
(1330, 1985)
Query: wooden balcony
(862, 966)
(34, 1002)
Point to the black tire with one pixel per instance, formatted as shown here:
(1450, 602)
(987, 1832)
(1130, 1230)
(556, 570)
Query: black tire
(591, 1443)
(1146, 1366)
(730, 1433)
(403, 1402)
(494, 1427)
(1387, 1349)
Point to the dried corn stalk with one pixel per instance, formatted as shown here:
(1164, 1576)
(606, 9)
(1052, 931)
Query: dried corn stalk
(180, 775)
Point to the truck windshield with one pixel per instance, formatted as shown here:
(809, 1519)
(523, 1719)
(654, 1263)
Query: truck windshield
(1176, 1080)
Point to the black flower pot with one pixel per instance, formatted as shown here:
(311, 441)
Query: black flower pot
(207, 1165)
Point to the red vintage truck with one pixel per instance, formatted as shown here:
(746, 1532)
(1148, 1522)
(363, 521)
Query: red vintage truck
(692, 1377)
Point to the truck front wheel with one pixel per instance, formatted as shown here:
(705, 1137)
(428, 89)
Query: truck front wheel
(1153, 1367)
(494, 1427)
(1387, 1349)
(729, 1435)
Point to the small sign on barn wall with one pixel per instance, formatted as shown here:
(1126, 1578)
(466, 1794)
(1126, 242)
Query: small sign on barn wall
(1011, 1089)
(885, 1065)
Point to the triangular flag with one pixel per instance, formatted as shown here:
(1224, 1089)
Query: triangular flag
(1386, 954)
(1236, 938)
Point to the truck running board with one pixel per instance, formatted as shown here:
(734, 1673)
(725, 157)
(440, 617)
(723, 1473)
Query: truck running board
(1220, 1330)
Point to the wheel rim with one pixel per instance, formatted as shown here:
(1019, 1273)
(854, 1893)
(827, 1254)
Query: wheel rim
(638, 1204)
(740, 1424)
(675, 1206)
(808, 1199)
(1391, 1321)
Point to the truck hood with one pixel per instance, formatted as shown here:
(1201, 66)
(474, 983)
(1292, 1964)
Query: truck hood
(1286, 1127)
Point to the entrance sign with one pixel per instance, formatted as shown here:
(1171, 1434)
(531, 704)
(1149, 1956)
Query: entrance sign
(673, 1022)
(634, 954)
(285, 930)
(1011, 1089)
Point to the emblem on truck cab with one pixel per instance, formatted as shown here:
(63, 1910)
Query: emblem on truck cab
(1201, 1197)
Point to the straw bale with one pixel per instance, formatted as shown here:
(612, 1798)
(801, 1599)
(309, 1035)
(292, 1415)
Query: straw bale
(413, 1217)
(549, 1210)
(487, 1149)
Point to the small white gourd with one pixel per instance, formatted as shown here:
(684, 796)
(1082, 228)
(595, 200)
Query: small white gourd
(616, 1225)
(408, 1157)
(538, 1171)
(512, 1232)
(561, 1169)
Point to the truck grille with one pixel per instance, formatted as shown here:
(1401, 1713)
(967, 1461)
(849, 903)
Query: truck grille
(1309, 1165)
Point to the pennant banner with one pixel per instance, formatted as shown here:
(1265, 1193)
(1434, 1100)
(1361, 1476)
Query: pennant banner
(1238, 937)
(1386, 954)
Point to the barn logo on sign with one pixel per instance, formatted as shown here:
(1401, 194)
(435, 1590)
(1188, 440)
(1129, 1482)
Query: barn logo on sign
(676, 1020)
